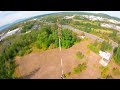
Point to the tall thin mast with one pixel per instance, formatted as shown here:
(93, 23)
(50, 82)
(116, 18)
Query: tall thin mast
(59, 33)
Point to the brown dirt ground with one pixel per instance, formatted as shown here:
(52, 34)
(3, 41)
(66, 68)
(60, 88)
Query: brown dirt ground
(47, 64)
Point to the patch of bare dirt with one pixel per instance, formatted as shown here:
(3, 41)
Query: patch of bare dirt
(47, 64)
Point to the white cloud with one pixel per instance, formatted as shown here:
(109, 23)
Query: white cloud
(1, 11)
(10, 16)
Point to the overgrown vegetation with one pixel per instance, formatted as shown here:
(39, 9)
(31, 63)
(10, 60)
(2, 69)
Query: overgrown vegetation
(97, 46)
(27, 26)
(93, 48)
(80, 68)
(117, 55)
(79, 55)
(105, 46)
(68, 38)
(104, 72)
(116, 71)
(67, 74)
(44, 39)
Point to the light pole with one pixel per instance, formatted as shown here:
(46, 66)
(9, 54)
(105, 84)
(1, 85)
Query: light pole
(59, 33)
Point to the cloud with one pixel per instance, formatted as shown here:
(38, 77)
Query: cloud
(10, 16)
(7, 17)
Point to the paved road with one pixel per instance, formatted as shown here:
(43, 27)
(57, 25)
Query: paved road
(94, 37)
(114, 44)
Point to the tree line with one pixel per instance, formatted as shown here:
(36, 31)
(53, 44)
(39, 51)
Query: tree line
(44, 38)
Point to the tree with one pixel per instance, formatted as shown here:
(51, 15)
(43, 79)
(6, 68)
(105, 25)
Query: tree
(105, 46)
(117, 55)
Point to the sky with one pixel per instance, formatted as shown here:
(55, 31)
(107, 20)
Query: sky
(7, 17)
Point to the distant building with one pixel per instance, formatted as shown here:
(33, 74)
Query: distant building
(9, 33)
(93, 18)
(69, 17)
(112, 26)
(105, 58)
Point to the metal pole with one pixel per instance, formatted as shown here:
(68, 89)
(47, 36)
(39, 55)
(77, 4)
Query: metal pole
(60, 48)
(61, 66)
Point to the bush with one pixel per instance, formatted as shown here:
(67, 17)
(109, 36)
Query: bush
(67, 74)
(45, 38)
(109, 77)
(79, 55)
(93, 48)
(105, 46)
(80, 68)
(104, 72)
(68, 38)
(52, 46)
(116, 55)
(29, 51)
(21, 53)
(116, 71)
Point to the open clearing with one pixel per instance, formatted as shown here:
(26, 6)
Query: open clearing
(47, 64)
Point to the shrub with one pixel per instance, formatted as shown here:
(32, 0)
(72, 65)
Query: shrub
(116, 71)
(109, 77)
(93, 48)
(29, 51)
(104, 72)
(21, 53)
(116, 55)
(105, 46)
(79, 55)
(80, 68)
(67, 74)
(52, 46)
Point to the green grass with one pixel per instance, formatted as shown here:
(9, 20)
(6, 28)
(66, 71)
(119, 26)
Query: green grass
(80, 68)
(79, 55)
(93, 48)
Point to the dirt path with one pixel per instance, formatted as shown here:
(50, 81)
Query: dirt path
(47, 64)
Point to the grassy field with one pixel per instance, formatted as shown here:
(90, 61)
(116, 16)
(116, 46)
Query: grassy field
(93, 48)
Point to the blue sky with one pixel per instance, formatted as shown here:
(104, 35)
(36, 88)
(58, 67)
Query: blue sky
(7, 17)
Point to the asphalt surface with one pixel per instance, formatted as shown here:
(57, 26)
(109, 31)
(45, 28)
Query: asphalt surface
(94, 37)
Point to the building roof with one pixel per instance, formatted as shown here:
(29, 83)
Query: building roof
(105, 55)
(103, 62)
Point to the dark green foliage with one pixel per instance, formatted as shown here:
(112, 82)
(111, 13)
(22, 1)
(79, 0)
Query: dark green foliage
(27, 27)
(117, 55)
(80, 68)
(20, 45)
(68, 38)
(48, 36)
(105, 46)
(93, 48)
